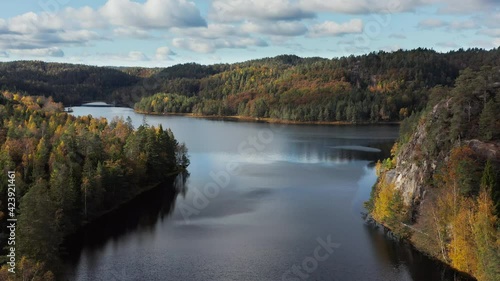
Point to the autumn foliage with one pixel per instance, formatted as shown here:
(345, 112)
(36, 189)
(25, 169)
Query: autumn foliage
(70, 170)
(456, 218)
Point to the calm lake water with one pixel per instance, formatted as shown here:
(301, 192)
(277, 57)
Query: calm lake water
(262, 202)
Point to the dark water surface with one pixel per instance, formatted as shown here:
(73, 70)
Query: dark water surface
(263, 202)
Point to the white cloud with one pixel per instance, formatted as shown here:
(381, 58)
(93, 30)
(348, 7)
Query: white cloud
(330, 28)
(42, 40)
(77, 36)
(33, 23)
(212, 31)
(395, 6)
(152, 13)
(279, 28)
(45, 33)
(42, 32)
(240, 10)
(137, 56)
(195, 45)
(164, 53)
(131, 32)
(84, 17)
(209, 46)
(42, 52)
(360, 6)
(4, 54)
(453, 26)
(464, 6)
(3, 26)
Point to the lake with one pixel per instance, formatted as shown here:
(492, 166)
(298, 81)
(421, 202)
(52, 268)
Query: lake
(262, 202)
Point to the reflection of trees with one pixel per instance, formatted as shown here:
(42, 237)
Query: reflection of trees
(141, 213)
(400, 254)
(337, 150)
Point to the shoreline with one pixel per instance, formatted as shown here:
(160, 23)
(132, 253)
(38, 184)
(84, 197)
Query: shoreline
(119, 205)
(266, 120)
(372, 222)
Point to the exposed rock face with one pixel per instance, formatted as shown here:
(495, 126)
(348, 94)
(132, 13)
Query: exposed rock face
(412, 170)
(487, 150)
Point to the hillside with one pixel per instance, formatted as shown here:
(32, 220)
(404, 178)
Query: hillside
(441, 189)
(66, 83)
(375, 87)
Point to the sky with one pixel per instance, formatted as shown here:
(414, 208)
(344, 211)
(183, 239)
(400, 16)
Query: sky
(160, 33)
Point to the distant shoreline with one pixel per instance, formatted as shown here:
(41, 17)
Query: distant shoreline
(266, 120)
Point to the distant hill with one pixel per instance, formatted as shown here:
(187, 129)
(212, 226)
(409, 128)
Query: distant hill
(368, 88)
(67, 83)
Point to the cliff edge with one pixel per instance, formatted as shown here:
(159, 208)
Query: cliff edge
(439, 189)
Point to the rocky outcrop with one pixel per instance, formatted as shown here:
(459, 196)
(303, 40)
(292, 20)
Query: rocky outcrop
(412, 170)
(486, 150)
(415, 168)
(444, 170)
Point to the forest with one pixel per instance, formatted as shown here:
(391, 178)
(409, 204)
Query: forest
(456, 140)
(70, 170)
(375, 87)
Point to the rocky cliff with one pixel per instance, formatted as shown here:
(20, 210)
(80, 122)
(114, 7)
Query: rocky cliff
(441, 188)
(415, 166)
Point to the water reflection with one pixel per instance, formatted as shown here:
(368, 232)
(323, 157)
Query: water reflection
(308, 182)
(139, 215)
(408, 263)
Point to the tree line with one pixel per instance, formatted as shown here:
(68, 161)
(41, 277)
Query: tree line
(370, 88)
(70, 170)
(375, 87)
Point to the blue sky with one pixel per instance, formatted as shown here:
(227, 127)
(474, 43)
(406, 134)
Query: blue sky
(167, 32)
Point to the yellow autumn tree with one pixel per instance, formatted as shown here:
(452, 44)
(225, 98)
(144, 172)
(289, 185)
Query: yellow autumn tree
(381, 210)
(487, 237)
(462, 246)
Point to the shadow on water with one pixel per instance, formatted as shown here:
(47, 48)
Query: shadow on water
(141, 213)
(335, 149)
(403, 255)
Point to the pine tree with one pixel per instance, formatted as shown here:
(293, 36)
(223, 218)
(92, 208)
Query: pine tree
(489, 121)
(39, 237)
(41, 159)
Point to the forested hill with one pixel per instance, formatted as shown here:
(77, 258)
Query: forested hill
(369, 88)
(67, 83)
(441, 188)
